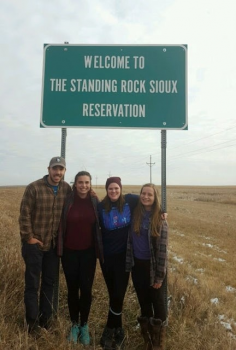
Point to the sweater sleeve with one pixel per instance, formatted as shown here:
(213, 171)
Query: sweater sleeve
(132, 200)
(26, 209)
(161, 253)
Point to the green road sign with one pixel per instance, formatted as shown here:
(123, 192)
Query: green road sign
(114, 86)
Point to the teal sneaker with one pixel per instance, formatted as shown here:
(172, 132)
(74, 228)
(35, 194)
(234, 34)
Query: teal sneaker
(84, 335)
(74, 334)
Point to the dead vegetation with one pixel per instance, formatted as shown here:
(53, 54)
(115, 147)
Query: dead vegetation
(201, 277)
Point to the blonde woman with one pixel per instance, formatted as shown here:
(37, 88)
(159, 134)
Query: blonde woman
(147, 257)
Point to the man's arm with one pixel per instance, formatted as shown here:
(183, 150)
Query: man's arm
(25, 220)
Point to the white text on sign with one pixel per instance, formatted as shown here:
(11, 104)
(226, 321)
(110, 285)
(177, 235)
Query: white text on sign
(107, 85)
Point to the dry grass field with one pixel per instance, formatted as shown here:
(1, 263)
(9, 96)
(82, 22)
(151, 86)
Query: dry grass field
(201, 277)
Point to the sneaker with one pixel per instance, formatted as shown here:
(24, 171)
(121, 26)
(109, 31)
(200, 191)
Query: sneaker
(107, 341)
(119, 336)
(84, 335)
(74, 334)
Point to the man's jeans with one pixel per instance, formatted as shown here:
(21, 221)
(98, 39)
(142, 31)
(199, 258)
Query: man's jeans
(39, 265)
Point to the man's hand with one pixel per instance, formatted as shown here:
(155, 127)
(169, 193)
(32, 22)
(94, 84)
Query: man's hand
(35, 241)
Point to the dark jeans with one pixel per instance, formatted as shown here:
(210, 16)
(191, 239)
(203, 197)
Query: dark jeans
(79, 269)
(151, 300)
(40, 266)
(116, 279)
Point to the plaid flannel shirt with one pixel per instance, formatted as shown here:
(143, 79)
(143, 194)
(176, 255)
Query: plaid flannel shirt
(158, 249)
(40, 211)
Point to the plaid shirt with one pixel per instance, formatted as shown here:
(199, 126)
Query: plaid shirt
(40, 211)
(158, 249)
(62, 228)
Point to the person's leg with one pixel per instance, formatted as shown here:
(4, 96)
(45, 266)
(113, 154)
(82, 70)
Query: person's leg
(107, 271)
(32, 256)
(141, 281)
(70, 264)
(86, 277)
(120, 283)
(157, 323)
(120, 279)
(49, 269)
(106, 340)
(159, 302)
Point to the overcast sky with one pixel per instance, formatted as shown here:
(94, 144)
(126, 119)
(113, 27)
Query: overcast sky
(205, 154)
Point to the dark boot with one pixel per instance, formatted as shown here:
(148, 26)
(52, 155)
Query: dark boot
(107, 339)
(158, 334)
(45, 322)
(144, 325)
(119, 337)
(34, 329)
(163, 337)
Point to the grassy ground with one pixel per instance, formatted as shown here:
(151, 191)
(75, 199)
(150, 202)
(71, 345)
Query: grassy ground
(201, 277)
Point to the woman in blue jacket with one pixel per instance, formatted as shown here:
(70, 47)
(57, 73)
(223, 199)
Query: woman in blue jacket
(115, 212)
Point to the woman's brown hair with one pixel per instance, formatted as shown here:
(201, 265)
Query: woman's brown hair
(81, 173)
(108, 203)
(155, 219)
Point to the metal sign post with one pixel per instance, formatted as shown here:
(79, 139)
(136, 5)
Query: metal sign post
(57, 275)
(163, 170)
(63, 142)
(163, 199)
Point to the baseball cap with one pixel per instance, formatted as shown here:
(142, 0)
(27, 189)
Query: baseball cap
(57, 161)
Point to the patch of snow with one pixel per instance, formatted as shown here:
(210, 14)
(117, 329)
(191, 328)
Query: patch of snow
(208, 245)
(200, 270)
(219, 259)
(215, 247)
(179, 260)
(222, 251)
(230, 289)
(215, 301)
(226, 325)
(172, 269)
(192, 279)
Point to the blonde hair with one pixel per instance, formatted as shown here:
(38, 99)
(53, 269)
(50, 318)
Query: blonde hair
(155, 219)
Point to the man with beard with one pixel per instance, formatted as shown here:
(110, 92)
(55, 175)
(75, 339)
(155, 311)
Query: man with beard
(39, 219)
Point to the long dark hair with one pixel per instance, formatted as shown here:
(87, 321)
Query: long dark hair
(108, 203)
(155, 220)
(82, 173)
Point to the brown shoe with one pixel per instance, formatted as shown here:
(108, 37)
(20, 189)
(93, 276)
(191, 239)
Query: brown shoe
(144, 325)
(158, 333)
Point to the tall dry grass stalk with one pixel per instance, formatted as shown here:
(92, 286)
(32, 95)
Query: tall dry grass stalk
(201, 277)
